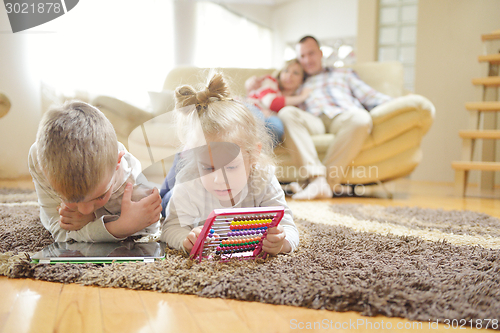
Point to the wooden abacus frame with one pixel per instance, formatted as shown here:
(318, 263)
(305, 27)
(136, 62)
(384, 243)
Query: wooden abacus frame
(232, 227)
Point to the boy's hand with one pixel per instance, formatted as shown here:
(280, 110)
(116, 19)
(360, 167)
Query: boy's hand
(275, 241)
(191, 238)
(135, 216)
(72, 219)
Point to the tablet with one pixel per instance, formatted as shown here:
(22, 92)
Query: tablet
(126, 251)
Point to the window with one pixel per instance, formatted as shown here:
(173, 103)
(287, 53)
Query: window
(225, 39)
(121, 48)
(125, 48)
(397, 35)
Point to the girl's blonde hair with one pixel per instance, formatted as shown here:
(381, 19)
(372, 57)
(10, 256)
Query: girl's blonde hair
(211, 111)
(76, 148)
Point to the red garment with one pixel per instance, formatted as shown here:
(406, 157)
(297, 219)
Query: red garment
(268, 95)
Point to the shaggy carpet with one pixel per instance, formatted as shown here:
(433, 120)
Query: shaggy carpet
(420, 264)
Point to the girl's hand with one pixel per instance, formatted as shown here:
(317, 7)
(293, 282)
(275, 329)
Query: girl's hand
(189, 241)
(275, 241)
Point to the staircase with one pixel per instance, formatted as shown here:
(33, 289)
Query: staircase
(484, 119)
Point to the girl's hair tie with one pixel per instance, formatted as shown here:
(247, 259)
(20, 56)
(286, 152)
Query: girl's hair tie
(200, 107)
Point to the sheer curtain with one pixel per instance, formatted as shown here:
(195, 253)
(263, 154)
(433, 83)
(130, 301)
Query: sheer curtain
(121, 48)
(225, 39)
(125, 48)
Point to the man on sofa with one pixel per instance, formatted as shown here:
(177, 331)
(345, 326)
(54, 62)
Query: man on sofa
(339, 103)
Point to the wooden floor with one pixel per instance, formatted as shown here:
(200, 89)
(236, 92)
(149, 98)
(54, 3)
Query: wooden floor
(35, 306)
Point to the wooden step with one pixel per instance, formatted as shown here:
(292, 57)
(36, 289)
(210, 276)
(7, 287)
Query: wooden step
(492, 36)
(483, 106)
(491, 81)
(480, 134)
(491, 58)
(484, 166)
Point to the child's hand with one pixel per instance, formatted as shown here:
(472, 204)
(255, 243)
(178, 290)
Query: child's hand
(253, 83)
(275, 241)
(305, 93)
(268, 113)
(189, 241)
(72, 219)
(298, 99)
(135, 216)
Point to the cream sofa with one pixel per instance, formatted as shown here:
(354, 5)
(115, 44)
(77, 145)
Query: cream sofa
(391, 151)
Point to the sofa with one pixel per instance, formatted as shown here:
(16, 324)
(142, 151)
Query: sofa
(391, 151)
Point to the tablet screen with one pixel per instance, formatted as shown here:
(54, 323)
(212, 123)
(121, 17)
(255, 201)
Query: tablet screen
(100, 252)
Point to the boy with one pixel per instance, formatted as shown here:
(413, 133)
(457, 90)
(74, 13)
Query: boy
(86, 181)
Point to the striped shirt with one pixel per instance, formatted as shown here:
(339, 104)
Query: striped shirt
(336, 90)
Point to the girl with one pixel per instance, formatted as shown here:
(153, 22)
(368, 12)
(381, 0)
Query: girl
(272, 94)
(226, 163)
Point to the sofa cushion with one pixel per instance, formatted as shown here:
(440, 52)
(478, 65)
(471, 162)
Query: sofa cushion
(322, 142)
(162, 101)
(195, 76)
(155, 140)
(124, 117)
(390, 148)
(397, 166)
(390, 83)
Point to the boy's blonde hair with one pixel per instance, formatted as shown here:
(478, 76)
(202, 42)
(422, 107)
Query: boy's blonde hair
(77, 149)
(212, 111)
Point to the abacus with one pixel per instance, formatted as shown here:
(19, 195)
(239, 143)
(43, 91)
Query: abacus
(236, 233)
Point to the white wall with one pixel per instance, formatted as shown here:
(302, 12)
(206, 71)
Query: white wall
(18, 127)
(323, 19)
(448, 43)
(260, 14)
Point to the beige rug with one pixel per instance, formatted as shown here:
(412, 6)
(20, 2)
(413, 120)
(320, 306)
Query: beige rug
(421, 264)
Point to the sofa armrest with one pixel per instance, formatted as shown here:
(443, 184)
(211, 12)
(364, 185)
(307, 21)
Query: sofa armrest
(123, 116)
(121, 108)
(399, 115)
(401, 105)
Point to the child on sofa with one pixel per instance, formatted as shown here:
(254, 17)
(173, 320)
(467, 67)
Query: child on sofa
(90, 189)
(273, 93)
(226, 163)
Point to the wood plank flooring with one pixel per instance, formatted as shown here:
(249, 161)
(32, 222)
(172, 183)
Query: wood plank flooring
(36, 306)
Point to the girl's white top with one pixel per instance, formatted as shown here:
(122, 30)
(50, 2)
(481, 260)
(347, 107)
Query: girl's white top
(191, 204)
